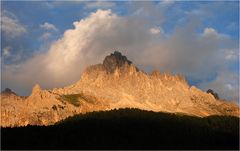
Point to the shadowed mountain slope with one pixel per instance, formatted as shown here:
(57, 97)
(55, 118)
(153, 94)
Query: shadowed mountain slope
(128, 129)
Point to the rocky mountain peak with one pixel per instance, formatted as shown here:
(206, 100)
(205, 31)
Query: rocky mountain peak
(116, 83)
(213, 93)
(8, 91)
(36, 89)
(115, 60)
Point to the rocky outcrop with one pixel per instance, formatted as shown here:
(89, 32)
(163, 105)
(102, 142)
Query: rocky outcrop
(114, 61)
(36, 89)
(116, 83)
(8, 91)
(213, 93)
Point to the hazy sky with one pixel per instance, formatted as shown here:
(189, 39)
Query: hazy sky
(50, 43)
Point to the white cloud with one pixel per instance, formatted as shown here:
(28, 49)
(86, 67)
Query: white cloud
(11, 27)
(54, 4)
(196, 12)
(100, 4)
(45, 36)
(232, 54)
(155, 30)
(67, 56)
(229, 86)
(211, 32)
(226, 85)
(102, 32)
(166, 2)
(48, 26)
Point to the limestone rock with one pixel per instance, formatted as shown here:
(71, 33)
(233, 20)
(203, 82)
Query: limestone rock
(213, 93)
(115, 60)
(8, 91)
(36, 89)
(116, 83)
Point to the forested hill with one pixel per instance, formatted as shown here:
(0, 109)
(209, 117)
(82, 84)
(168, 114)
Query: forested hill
(127, 129)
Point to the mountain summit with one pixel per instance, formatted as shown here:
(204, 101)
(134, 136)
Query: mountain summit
(114, 61)
(8, 91)
(116, 83)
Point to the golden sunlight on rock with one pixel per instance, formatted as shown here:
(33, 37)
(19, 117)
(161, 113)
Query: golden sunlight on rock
(117, 83)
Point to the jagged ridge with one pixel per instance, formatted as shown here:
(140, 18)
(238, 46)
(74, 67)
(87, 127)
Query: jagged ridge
(116, 83)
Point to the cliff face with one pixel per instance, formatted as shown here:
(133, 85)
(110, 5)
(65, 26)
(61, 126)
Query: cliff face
(117, 83)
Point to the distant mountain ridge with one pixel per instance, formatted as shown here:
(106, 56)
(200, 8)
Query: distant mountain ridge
(116, 83)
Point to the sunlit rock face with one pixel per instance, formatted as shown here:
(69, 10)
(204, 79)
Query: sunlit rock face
(117, 83)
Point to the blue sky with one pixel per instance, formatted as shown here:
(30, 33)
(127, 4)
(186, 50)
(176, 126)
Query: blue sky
(30, 29)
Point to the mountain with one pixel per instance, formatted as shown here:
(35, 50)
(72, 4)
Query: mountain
(116, 83)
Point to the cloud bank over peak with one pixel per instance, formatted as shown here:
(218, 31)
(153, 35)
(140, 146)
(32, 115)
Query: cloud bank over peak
(185, 51)
(66, 57)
